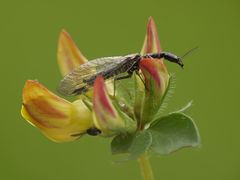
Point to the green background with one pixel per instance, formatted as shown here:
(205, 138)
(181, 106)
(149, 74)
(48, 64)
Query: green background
(28, 41)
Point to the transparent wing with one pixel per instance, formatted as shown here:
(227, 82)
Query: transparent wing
(75, 80)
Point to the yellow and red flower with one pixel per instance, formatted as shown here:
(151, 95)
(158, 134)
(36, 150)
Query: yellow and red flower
(61, 120)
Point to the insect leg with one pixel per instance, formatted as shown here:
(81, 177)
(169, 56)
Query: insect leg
(114, 87)
(139, 75)
(119, 78)
(77, 135)
(124, 77)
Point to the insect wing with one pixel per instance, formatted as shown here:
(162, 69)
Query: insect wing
(76, 79)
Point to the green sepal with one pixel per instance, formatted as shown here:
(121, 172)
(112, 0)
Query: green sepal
(167, 95)
(186, 107)
(152, 102)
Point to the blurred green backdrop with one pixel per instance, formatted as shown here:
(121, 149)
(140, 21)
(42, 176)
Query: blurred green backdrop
(28, 41)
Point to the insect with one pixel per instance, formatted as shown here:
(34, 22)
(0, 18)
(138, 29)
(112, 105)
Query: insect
(81, 79)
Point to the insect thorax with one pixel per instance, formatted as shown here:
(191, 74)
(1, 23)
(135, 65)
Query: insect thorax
(129, 65)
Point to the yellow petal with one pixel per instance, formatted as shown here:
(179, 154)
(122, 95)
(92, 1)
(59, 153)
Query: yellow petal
(151, 43)
(57, 118)
(69, 56)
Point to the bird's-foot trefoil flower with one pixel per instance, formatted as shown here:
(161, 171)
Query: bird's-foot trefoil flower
(129, 112)
(110, 115)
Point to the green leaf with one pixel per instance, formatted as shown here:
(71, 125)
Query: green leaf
(134, 144)
(140, 144)
(173, 132)
(121, 143)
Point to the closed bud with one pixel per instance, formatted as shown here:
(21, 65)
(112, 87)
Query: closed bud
(107, 116)
(156, 83)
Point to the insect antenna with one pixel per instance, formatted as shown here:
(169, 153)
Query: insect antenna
(188, 52)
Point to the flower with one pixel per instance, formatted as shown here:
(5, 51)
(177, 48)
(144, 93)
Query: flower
(61, 120)
(58, 119)
(155, 74)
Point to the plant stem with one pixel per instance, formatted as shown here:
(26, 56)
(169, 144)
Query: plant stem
(145, 167)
